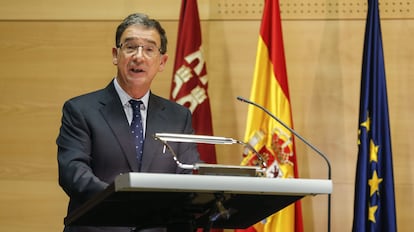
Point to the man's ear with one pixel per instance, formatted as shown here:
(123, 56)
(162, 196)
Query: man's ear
(114, 56)
(163, 62)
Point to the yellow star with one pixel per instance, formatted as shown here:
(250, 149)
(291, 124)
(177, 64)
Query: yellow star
(373, 151)
(371, 213)
(366, 124)
(374, 183)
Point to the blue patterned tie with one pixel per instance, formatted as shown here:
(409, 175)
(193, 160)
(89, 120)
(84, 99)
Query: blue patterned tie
(137, 129)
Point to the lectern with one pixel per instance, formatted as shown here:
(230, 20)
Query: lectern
(207, 201)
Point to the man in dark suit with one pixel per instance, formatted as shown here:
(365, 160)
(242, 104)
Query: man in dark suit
(95, 143)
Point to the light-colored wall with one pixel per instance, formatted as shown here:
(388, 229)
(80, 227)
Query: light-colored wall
(52, 50)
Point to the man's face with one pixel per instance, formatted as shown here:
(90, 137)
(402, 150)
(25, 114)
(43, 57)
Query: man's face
(138, 59)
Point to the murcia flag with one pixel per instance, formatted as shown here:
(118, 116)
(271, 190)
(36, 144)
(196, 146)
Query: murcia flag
(272, 140)
(190, 83)
(374, 205)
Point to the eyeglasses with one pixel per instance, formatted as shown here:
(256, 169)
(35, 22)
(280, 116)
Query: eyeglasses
(132, 48)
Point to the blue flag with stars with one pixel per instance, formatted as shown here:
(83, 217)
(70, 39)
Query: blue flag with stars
(374, 206)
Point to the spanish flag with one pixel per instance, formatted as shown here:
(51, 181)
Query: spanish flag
(275, 143)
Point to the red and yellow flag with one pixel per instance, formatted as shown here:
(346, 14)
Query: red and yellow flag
(189, 85)
(276, 143)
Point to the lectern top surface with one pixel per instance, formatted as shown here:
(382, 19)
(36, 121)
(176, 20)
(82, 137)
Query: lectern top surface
(228, 184)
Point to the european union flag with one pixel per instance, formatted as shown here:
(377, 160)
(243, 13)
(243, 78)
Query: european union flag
(374, 206)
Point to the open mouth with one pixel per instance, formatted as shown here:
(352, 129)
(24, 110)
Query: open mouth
(136, 70)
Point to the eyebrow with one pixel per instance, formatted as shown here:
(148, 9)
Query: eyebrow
(136, 38)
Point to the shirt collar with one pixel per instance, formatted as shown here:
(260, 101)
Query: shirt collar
(124, 96)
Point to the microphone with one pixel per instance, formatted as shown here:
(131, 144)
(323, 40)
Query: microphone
(303, 140)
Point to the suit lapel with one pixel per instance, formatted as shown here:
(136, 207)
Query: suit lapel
(155, 123)
(114, 114)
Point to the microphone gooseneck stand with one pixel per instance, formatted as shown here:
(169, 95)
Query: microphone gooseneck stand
(303, 140)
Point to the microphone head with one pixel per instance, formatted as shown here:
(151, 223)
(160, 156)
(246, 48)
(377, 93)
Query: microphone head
(241, 99)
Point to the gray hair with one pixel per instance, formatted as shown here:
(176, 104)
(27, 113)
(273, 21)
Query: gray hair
(141, 19)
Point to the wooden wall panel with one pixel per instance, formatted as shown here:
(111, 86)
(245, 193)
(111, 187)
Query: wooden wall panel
(209, 9)
(54, 50)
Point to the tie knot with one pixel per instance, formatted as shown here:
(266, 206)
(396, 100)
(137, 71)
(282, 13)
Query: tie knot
(135, 104)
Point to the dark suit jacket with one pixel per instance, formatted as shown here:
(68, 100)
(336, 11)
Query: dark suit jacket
(95, 143)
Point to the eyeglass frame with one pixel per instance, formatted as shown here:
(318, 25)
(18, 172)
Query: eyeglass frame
(136, 50)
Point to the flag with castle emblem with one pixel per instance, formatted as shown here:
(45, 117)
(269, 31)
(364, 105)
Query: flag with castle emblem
(275, 143)
(190, 84)
(374, 205)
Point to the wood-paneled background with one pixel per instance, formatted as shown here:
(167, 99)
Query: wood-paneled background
(52, 50)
